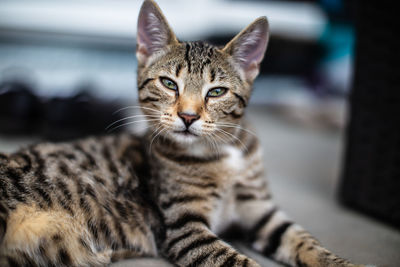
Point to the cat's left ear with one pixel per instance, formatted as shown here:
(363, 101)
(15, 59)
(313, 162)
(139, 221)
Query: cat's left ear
(248, 47)
(153, 32)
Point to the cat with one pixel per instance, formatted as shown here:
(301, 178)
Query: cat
(171, 192)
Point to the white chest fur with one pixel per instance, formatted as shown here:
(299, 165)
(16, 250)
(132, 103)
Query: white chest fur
(234, 161)
(234, 166)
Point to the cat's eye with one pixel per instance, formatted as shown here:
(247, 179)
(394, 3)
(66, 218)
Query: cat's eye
(216, 92)
(169, 83)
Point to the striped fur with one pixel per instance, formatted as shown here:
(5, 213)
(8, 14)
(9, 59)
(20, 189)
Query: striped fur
(171, 192)
(76, 204)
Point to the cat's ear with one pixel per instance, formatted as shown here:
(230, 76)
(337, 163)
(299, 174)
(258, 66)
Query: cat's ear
(248, 47)
(153, 31)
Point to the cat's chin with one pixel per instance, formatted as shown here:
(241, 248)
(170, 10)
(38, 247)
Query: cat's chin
(184, 137)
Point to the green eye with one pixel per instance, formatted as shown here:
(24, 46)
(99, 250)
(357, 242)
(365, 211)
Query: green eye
(219, 91)
(169, 84)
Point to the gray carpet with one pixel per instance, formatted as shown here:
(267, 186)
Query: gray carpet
(303, 166)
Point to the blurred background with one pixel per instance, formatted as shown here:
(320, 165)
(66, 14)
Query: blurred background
(58, 54)
(66, 67)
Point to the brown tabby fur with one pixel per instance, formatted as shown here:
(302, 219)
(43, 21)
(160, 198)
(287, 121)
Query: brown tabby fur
(170, 192)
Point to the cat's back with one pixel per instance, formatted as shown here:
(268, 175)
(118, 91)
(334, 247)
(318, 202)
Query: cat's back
(82, 201)
(105, 161)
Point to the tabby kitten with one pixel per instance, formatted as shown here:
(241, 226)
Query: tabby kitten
(171, 192)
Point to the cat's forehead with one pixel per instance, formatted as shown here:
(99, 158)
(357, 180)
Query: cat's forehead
(199, 55)
(199, 59)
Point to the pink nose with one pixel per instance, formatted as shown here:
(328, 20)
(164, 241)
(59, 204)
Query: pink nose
(188, 119)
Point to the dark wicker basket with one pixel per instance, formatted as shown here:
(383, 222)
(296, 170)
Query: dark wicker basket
(371, 175)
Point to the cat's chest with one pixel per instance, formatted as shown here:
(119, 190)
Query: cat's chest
(235, 164)
(235, 168)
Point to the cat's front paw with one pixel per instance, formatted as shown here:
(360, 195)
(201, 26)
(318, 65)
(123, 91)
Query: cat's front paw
(246, 261)
(344, 264)
(253, 263)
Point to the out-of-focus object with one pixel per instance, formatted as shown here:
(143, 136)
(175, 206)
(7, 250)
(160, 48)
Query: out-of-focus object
(23, 113)
(115, 21)
(371, 177)
(66, 118)
(19, 108)
(63, 43)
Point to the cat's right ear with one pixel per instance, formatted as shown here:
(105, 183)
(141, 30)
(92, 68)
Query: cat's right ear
(153, 32)
(248, 47)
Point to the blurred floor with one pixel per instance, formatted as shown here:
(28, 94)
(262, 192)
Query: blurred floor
(303, 166)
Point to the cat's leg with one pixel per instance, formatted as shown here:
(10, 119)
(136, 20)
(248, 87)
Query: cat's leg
(275, 235)
(52, 237)
(190, 242)
(37, 237)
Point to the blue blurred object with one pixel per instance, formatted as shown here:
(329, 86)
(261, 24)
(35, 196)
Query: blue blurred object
(336, 67)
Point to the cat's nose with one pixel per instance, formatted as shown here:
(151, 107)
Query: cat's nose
(188, 118)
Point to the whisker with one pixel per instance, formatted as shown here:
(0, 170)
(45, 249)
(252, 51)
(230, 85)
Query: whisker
(210, 141)
(147, 126)
(215, 145)
(220, 138)
(237, 126)
(130, 117)
(159, 126)
(229, 134)
(153, 139)
(131, 122)
(139, 107)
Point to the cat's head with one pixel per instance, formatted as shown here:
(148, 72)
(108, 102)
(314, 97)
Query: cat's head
(194, 91)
